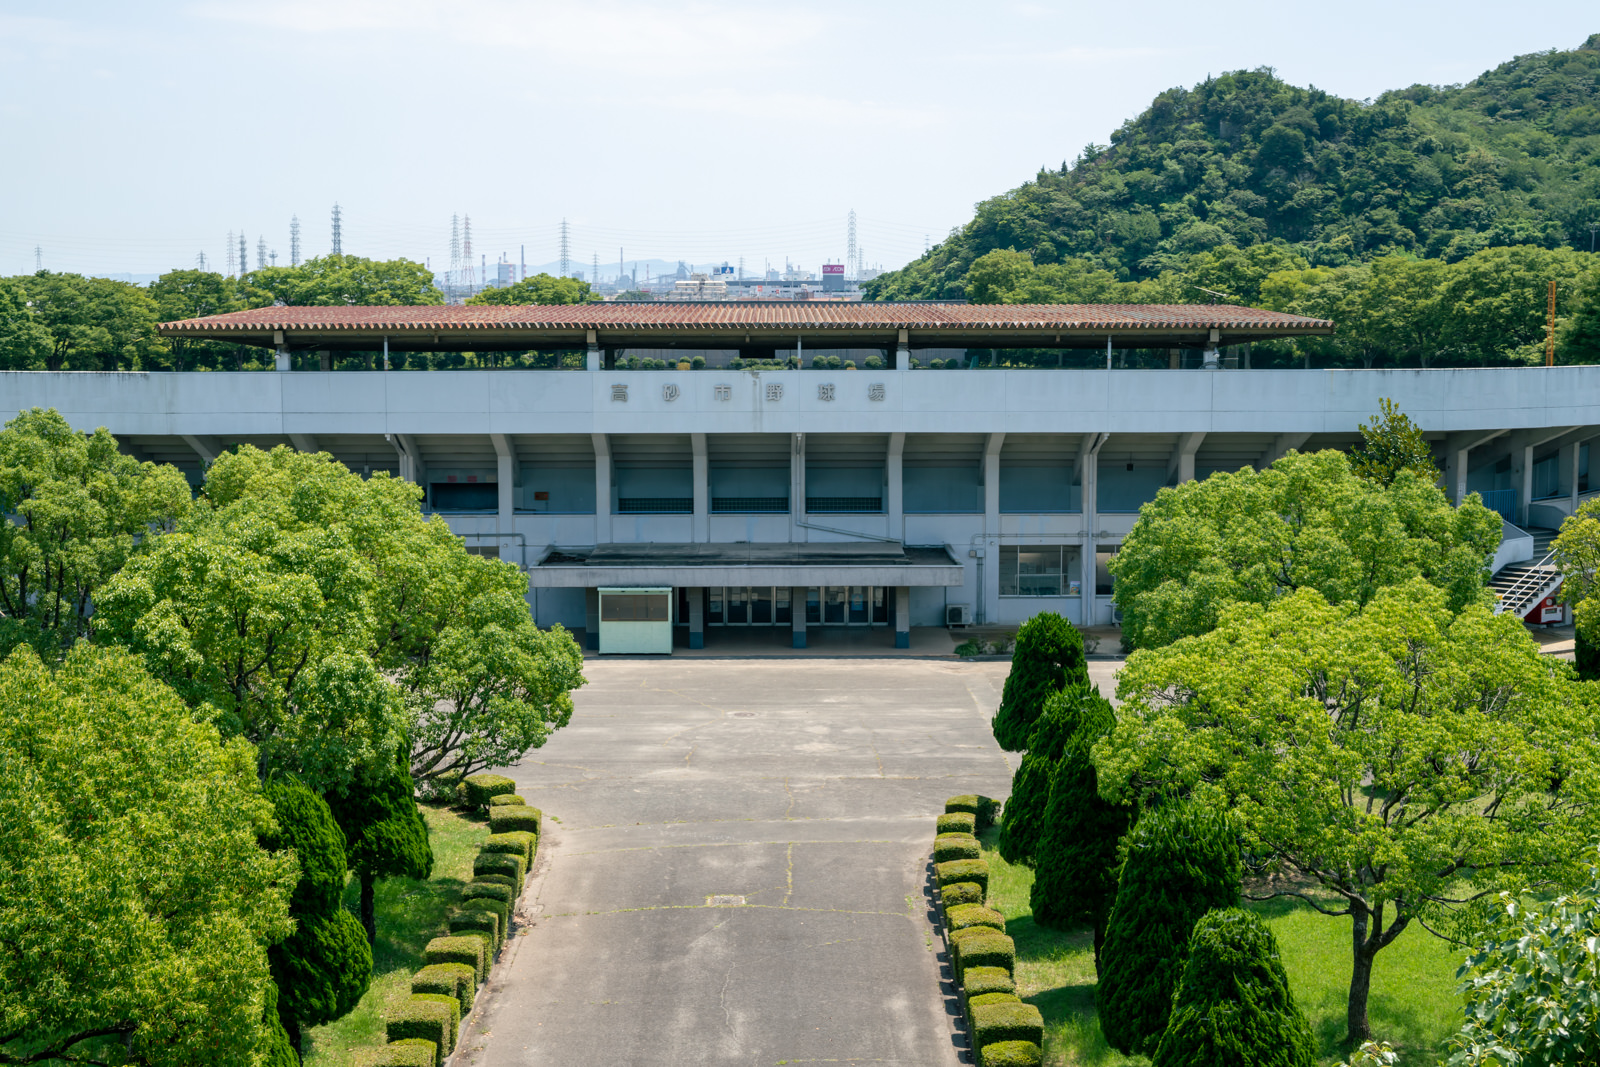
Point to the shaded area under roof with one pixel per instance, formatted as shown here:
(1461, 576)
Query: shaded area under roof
(828, 563)
(732, 324)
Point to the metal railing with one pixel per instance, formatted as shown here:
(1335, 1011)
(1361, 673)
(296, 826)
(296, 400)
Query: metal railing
(1503, 501)
(843, 505)
(655, 505)
(1532, 583)
(749, 505)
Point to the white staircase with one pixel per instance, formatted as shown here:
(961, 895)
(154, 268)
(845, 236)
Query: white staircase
(1520, 586)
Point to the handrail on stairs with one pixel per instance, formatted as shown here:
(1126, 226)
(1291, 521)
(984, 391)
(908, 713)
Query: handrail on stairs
(1531, 580)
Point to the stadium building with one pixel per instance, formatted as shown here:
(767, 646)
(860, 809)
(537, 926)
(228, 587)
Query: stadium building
(653, 509)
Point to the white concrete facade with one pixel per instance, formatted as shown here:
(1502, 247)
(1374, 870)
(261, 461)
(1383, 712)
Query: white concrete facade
(987, 463)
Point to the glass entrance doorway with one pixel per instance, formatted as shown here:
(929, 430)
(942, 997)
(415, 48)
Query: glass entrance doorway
(748, 605)
(847, 605)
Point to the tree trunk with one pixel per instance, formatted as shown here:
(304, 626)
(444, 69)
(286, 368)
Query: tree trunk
(1358, 1028)
(369, 907)
(291, 1026)
(1099, 940)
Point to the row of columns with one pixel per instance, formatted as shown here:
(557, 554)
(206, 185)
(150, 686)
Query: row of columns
(1521, 447)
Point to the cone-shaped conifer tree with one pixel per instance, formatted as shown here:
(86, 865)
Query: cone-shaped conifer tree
(1075, 857)
(1048, 657)
(1180, 863)
(1233, 1007)
(385, 835)
(1022, 818)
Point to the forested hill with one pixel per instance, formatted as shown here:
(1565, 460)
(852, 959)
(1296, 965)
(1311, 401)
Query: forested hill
(1511, 158)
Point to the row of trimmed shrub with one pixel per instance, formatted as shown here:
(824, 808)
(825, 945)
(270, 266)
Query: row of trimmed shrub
(423, 1029)
(1005, 1032)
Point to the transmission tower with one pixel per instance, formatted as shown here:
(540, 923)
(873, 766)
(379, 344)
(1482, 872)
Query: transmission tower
(38, 257)
(294, 240)
(273, 256)
(466, 252)
(338, 240)
(741, 268)
(230, 253)
(594, 279)
(852, 263)
(566, 251)
(244, 256)
(261, 251)
(200, 261)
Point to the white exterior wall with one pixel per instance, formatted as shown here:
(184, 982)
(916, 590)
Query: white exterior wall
(1533, 404)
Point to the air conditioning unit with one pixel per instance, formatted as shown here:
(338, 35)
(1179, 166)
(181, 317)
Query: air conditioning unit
(958, 615)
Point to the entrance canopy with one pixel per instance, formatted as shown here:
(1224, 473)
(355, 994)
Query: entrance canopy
(753, 326)
(843, 564)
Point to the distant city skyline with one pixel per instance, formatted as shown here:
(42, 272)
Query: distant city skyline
(139, 137)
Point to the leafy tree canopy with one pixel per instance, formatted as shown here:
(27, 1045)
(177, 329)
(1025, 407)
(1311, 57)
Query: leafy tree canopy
(1245, 159)
(79, 508)
(87, 324)
(1022, 820)
(539, 289)
(1392, 443)
(1048, 657)
(1406, 758)
(385, 836)
(1308, 521)
(333, 280)
(135, 904)
(1577, 549)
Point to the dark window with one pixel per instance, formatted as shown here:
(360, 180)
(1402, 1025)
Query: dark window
(464, 496)
(634, 607)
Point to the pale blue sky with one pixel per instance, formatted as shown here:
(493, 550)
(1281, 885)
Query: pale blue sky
(137, 135)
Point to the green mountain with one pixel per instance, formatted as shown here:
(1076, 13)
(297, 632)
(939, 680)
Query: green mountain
(1245, 159)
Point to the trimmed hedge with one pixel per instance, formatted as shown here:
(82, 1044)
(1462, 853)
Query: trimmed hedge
(407, 1052)
(993, 1023)
(963, 916)
(980, 807)
(1011, 1054)
(490, 890)
(498, 908)
(964, 871)
(452, 1006)
(947, 847)
(992, 998)
(423, 1018)
(502, 863)
(509, 817)
(957, 822)
(465, 948)
(960, 893)
(486, 924)
(981, 946)
(517, 843)
(505, 880)
(980, 980)
(476, 790)
(448, 979)
(500, 799)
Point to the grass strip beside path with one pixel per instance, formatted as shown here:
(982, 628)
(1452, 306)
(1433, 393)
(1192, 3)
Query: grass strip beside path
(1413, 1004)
(409, 914)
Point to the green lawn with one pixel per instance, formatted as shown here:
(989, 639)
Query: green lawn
(410, 914)
(1413, 1003)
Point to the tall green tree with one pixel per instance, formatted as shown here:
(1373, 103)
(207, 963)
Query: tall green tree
(93, 323)
(539, 289)
(324, 966)
(1579, 337)
(1181, 862)
(1308, 521)
(1391, 443)
(1047, 658)
(1022, 819)
(193, 294)
(79, 509)
(1233, 1007)
(334, 280)
(136, 906)
(1075, 857)
(385, 836)
(24, 342)
(1577, 551)
(1410, 759)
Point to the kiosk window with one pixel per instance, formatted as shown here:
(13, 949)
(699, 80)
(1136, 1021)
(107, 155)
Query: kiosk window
(634, 607)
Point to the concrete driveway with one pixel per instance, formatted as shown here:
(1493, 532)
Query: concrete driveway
(734, 865)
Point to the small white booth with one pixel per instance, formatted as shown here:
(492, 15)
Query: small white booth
(636, 620)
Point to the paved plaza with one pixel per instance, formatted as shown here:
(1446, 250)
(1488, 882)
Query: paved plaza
(734, 865)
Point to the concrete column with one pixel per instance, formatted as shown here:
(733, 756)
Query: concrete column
(593, 362)
(1182, 462)
(902, 351)
(989, 561)
(1282, 445)
(281, 359)
(205, 447)
(506, 473)
(602, 488)
(1567, 472)
(797, 613)
(303, 442)
(1457, 451)
(324, 360)
(1522, 478)
(1089, 480)
(591, 619)
(902, 616)
(894, 471)
(697, 617)
(797, 487)
(701, 529)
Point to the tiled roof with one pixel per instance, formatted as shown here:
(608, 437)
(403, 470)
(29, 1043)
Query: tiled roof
(763, 315)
